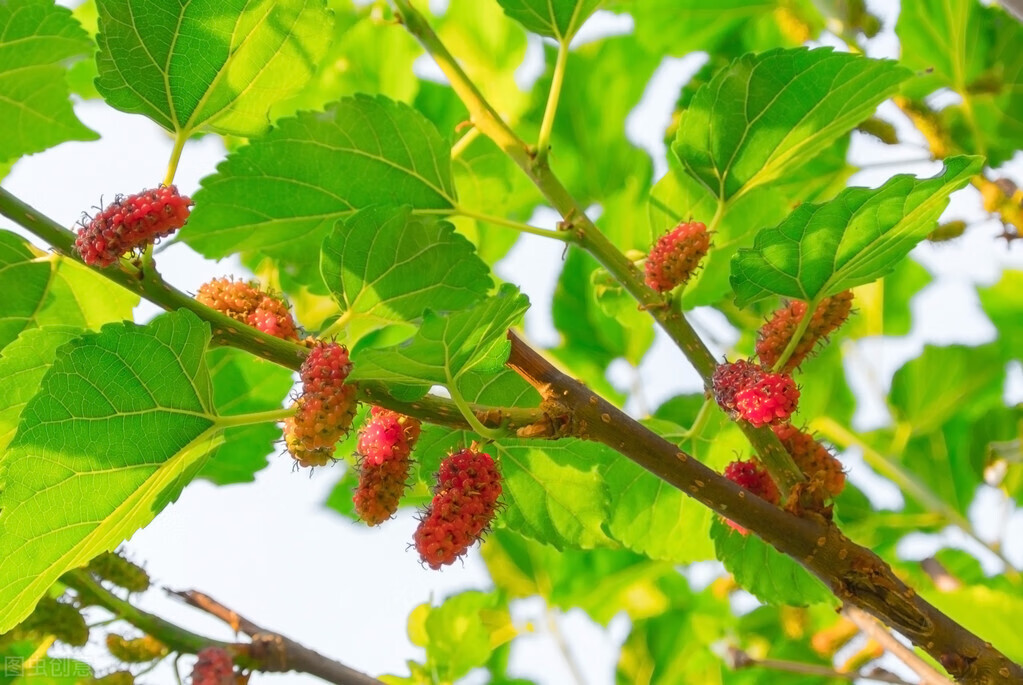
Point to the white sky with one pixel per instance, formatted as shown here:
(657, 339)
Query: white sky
(271, 551)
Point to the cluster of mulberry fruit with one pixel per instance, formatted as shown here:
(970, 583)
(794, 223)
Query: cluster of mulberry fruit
(131, 223)
(775, 335)
(463, 506)
(747, 391)
(755, 478)
(676, 256)
(247, 303)
(324, 412)
(385, 447)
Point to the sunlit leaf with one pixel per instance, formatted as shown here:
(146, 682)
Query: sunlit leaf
(208, 63)
(446, 346)
(243, 383)
(822, 249)
(764, 571)
(1003, 305)
(23, 363)
(554, 492)
(121, 422)
(973, 49)
(385, 267)
(945, 381)
(45, 289)
(769, 113)
(35, 113)
(734, 27)
(559, 19)
(282, 193)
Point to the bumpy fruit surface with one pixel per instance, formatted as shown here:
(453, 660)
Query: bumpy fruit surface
(385, 447)
(746, 391)
(131, 223)
(676, 255)
(730, 378)
(137, 650)
(464, 503)
(813, 458)
(115, 569)
(774, 336)
(755, 478)
(214, 667)
(247, 303)
(771, 399)
(63, 621)
(326, 409)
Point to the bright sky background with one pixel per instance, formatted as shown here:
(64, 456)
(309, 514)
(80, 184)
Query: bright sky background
(271, 551)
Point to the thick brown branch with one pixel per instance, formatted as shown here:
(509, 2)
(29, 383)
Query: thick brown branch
(855, 574)
(280, 654)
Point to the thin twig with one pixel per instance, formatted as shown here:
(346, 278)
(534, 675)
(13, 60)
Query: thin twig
(869, 625)
(283, 653)
(739, 659)
(553, 625)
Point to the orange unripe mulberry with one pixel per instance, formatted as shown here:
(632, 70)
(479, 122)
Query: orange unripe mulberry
(812, 458)
(247, 303)
(676, 255)
(385, 445)
(326, 409)
(774, 336)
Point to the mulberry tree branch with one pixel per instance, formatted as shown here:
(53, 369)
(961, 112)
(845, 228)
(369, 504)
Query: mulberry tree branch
(855, 575)
(587, 236)
(268, 652)
(149, 284)
(287, 655)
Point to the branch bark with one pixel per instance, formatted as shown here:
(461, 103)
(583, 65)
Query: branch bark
(855, 574)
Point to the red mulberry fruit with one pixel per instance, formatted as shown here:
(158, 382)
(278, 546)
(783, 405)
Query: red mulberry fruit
(755, 478)
(812, 458)
(131, 223)
(273, 317)
(676, 256)
(464, 504)
(748, 392)
(385, 445)
(774, 336)
(214, 667)
(326, 409)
